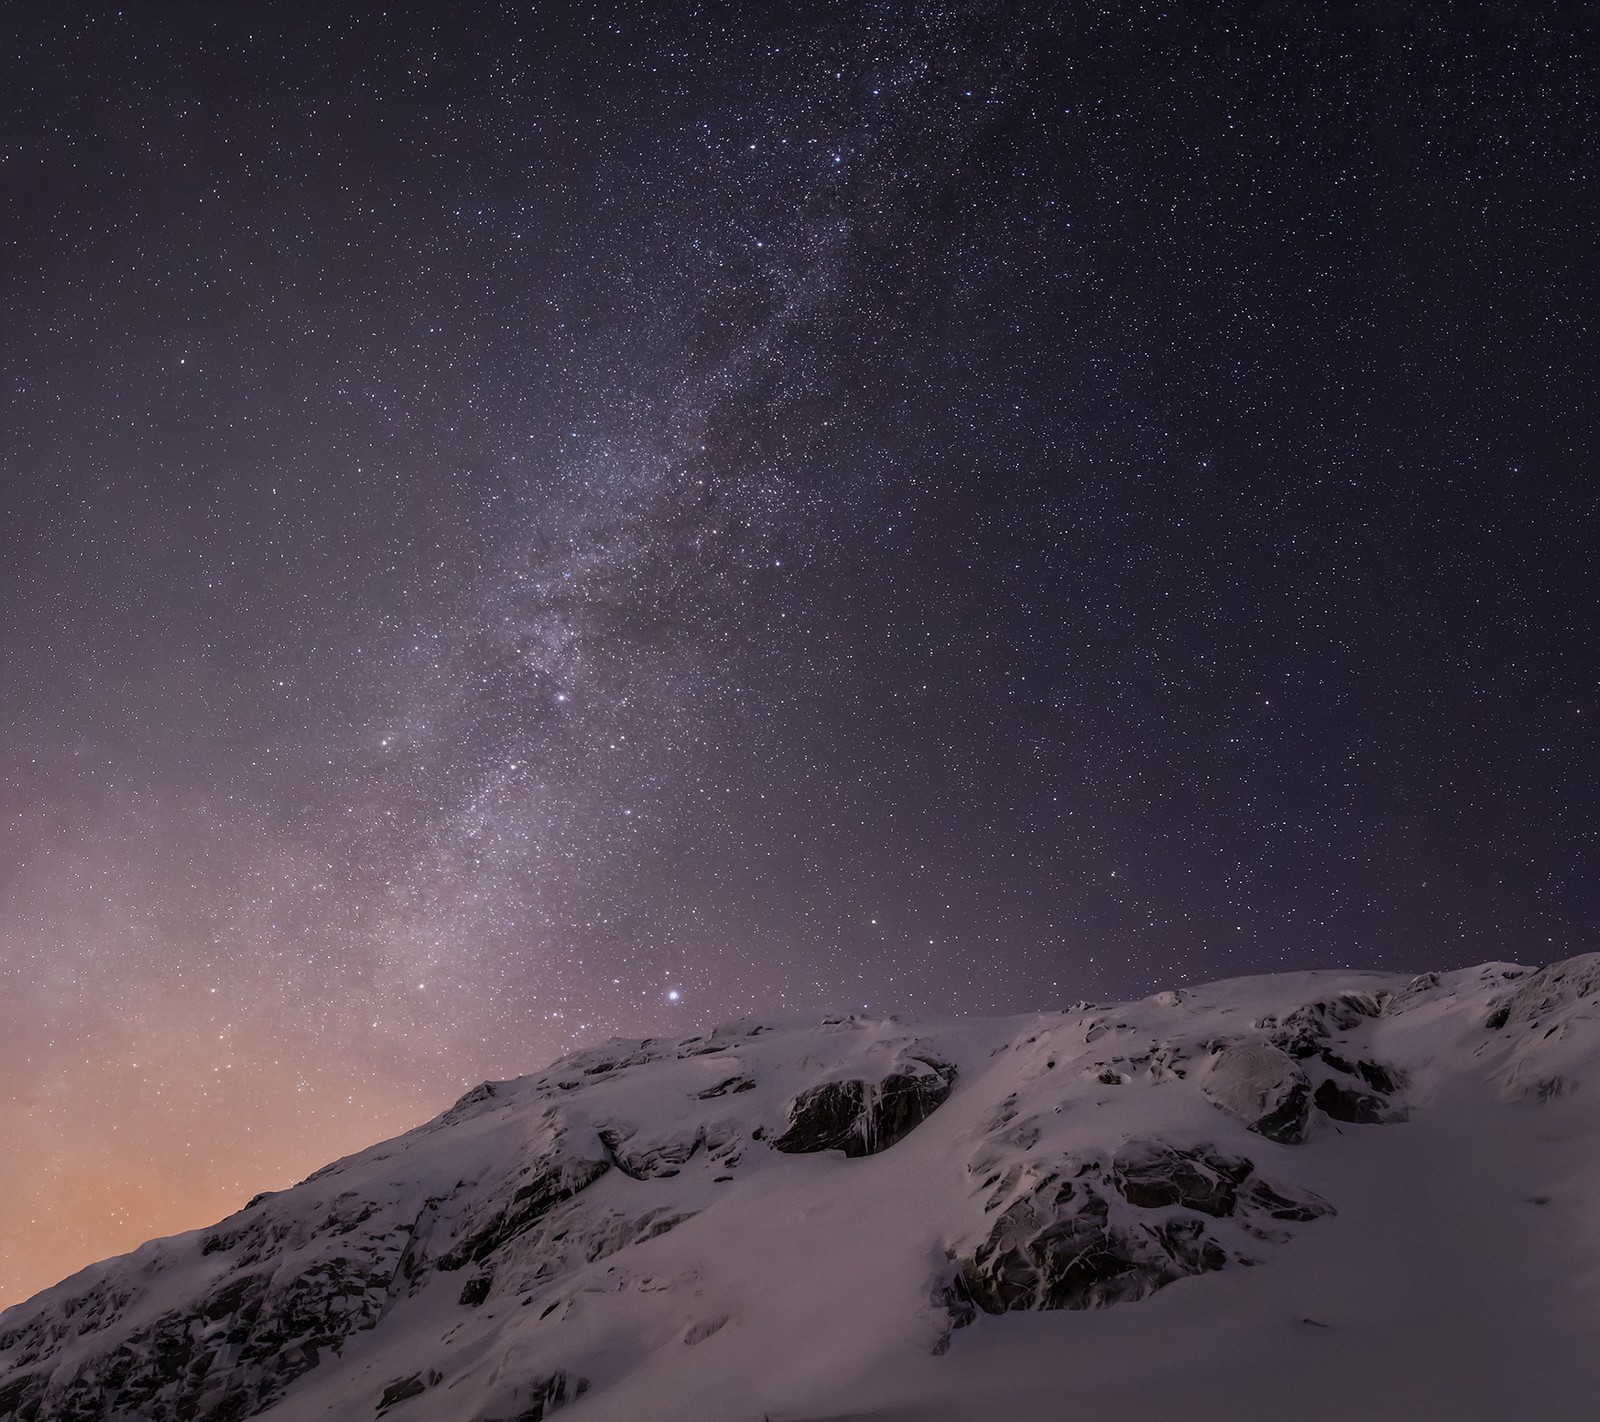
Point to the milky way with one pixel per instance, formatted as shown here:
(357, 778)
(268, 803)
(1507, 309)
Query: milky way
(533, 525)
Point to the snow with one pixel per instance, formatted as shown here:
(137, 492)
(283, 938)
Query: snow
(666, 1259)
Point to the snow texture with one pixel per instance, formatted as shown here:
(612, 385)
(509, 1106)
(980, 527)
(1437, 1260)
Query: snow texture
(1319, 1195)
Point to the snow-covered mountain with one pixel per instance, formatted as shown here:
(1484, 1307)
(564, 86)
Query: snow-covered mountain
(1316, 1195)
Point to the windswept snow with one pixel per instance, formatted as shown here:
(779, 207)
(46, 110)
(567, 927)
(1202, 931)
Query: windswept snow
(1317, 1195)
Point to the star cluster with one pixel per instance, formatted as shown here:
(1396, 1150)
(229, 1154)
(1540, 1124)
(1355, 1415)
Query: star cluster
(523, 524)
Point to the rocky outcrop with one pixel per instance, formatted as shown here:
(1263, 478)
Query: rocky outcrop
(1304, 1031)
(557, 1179)
(250, 1338)
(403, 1389)
(1065, 1240)
(1261, 1086)
(1150, 1174)
(646, 1157)
(1058, 1250)
(537, 1399)
(1552, 992)
(1412, 994)
(1345, 1103)
(863, 1117)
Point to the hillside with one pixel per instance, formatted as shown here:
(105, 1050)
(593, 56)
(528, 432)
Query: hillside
(1319, 1195)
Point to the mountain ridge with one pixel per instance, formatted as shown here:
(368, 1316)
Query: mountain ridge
(894, 1218)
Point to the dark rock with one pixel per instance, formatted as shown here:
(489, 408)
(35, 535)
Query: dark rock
(401, 1389)
(1065, 1244)
(561, 1177)
(270, 1327)
(476, 1290)
(15, 1392)
(231, 1298)
(952, 1300)
(824, 1118)
(862, 1118)
(1150, 1174)
(538, 1399)
(1075, 1260)
(1346, 1104)
(1281, 1204)
(730, 1087)
(1189, 1248)
(1386, 1079)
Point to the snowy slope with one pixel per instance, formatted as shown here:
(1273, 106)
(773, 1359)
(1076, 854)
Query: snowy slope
(1317, 1195)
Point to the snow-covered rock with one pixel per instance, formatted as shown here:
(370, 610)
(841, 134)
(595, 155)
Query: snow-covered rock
(1366, 1192)
(1260, 1085)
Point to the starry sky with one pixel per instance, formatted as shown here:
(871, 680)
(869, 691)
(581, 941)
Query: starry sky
(524, 523)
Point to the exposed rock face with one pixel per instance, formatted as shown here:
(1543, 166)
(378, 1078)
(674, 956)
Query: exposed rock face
(536, 1400)
(864, 1117)
(1150, 1174)
(1058, 1250)
(1064, 1240)
(1258, 1084)
(403, 1389)
(555, 1173)
(290, 1291)
(1304, 1031)
(1277, 1203)
(1344, 1103)
(258, 1329)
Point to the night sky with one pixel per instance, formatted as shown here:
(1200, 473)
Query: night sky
(523, 524)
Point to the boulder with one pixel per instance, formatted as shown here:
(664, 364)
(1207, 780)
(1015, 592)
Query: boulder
(1261, 1086)
(401, 1390)
(865, 1117)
